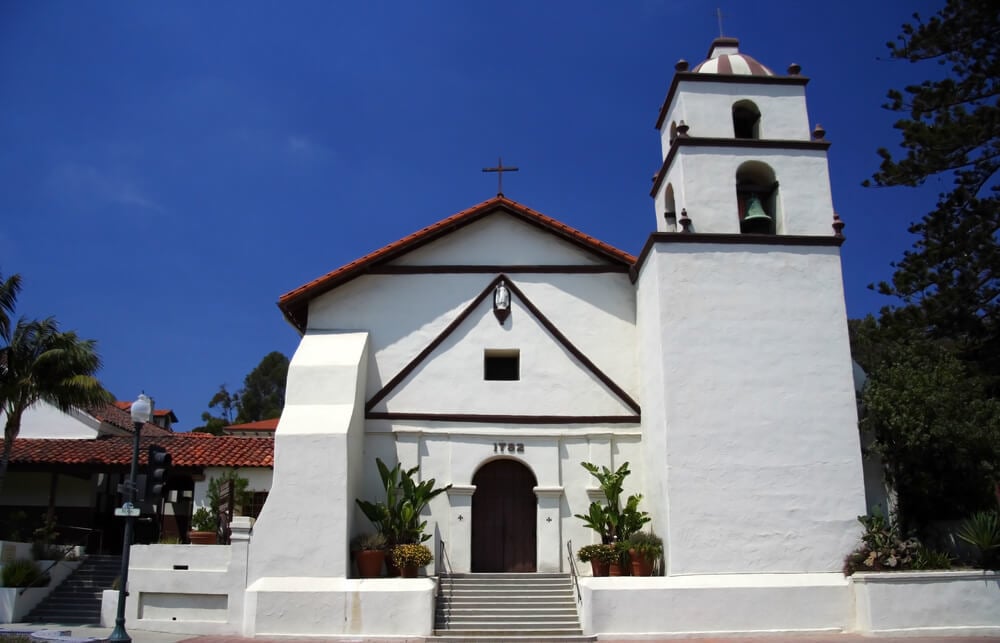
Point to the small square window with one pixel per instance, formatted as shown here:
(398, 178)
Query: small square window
(502, 365)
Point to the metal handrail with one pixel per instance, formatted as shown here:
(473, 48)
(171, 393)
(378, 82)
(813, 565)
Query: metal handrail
(445, 561)
(572, 570)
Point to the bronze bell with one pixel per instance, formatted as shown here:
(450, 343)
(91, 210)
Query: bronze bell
(756, 219)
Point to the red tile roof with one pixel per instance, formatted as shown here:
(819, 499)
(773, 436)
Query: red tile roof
(295, 303)
(125, 405)
(115, 416)
(261, 425)
(186, 450)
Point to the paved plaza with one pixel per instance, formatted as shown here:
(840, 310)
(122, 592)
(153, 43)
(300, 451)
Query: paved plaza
(141, 636)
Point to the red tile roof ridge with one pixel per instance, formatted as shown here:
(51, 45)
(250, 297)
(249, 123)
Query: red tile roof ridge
(108, 450)
(298, 297)
(259, 425)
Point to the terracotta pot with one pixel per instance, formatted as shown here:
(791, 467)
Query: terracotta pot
(391, 570)
(615, 569)
(598, 568)
(369, 562)
(203, 537)
(641, 565)
(409, 571)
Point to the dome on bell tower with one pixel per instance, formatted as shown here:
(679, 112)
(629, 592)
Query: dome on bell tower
(724, 58)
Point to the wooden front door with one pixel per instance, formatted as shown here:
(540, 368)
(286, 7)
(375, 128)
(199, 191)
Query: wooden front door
(504, 511)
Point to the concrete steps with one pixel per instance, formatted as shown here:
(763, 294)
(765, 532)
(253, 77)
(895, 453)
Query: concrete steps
(507, 607)
(77, 600)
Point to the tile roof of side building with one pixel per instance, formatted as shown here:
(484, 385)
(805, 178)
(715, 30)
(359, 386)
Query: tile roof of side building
(260, 425)
(186, 450)
(122, 419)
(294, 304)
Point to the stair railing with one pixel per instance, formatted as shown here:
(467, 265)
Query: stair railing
(443, 557)
(446, 569)
(572, 570)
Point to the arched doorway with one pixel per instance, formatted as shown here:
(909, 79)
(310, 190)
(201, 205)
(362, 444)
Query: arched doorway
(504, 510)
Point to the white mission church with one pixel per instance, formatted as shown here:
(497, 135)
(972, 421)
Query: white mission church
(499, 348)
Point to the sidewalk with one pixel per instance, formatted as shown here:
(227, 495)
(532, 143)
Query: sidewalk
(142, 636)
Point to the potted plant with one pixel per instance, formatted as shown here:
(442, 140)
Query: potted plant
(369, 554)
(612, 520)
(644, 548)
(599, 556)
(204, 527)
(410, 556)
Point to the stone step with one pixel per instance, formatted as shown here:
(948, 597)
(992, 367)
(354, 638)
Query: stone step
(526, 633)
(568, 638)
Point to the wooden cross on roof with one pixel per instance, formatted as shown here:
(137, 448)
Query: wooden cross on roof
(500, 169)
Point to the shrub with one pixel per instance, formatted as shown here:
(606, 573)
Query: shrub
(982, 531)
(646, 543)
(411, 554)
(204, 519)
(23, 572)
(884, 549)
(368, 542)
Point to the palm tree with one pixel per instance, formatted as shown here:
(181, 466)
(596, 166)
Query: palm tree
(38, 362)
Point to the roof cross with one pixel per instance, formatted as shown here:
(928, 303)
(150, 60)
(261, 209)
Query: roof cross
(718, 13)
(500, 169)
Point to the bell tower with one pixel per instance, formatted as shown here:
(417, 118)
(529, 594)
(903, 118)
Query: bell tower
(738, 154)
(749, 424)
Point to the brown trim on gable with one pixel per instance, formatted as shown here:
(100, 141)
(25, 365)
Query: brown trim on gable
(739, 239)
(568, 345)
(469, 269)
(696, 77)
(295, 303)
(422, 355)
(746, 143)
(542, 319)
(507, 419)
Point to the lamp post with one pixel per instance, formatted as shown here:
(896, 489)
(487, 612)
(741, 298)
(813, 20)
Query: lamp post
(142, 410)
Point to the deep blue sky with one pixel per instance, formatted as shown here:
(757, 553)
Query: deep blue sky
(169, 169)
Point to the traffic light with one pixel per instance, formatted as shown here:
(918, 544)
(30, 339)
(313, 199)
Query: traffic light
(157, 473)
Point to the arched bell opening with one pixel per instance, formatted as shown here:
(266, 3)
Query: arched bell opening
(669, 209)
(757, 198)
(746, 120)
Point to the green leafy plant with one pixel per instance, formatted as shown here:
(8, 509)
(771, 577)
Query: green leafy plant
(982, 531)
(411, 554)
(647, 544)
(204, 519)
(398, 518)
(217, 488)
(883, 548)
(23, 572)
(606, 554)
(369, 542)
(613, 521)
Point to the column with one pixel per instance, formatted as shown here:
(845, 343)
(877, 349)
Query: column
(459, 542)
(549, 540)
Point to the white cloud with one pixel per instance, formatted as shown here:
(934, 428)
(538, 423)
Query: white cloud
(100, 187)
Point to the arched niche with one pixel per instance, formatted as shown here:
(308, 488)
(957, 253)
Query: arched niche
(669, 209)
(746, 119)
(756, 182)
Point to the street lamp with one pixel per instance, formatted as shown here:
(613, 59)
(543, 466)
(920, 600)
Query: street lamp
(142, 410)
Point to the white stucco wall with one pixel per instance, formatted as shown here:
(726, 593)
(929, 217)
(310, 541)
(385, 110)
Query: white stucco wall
(499, 239)
(804, 202)
(762, 464)
(707, 108)
(42, 420)
(928, 603)
(404, 313)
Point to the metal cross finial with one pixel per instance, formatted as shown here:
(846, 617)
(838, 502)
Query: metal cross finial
(718, 13)
(500, 169)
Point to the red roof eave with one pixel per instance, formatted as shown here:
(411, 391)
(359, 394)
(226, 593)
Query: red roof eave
(294, 304)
